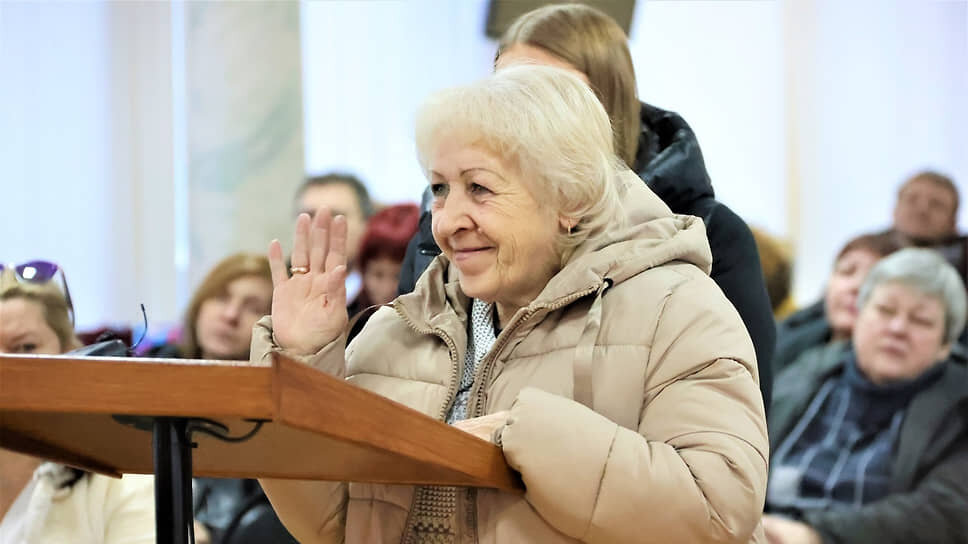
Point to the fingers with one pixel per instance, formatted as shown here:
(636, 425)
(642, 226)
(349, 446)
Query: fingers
(319, 239)
(277, 265)
(300, 241)
(337, 244)
(336, 286)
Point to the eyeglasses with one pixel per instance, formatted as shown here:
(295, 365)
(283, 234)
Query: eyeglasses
(40, 272)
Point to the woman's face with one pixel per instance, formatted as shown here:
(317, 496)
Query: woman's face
(380, 279)
(23, 328)
(899, 333)
(224, 325)
(522, 53)
(491, 227)
(840, 300)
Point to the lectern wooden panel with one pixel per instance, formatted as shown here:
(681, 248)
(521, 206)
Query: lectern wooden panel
(315, 426)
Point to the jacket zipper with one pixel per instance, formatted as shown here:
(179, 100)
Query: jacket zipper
(487, 365)
(454, 359)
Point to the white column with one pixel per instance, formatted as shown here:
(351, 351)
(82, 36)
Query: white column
(244, 126)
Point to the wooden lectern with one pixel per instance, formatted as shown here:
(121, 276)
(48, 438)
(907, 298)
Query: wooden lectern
(178, 418)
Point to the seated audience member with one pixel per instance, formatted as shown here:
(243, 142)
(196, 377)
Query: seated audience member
(777, 265)
(59, 503)
(218, 325)
(345, 195)
(381, 253)
(221, 313)
(656, 144)
(926, 215)
(869, 438)
(832, 318)
(570, 319)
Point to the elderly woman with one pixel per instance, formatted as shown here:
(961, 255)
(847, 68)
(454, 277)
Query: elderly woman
(832, 318)
(56, 503)
(570, 319)
(657, 145)
(871, 438)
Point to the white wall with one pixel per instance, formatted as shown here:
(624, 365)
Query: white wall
(881, 91)
(367, 66)
(720, 65)
(77, 133)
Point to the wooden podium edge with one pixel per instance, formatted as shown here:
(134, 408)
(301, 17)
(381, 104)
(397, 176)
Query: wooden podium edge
(387, 425)
(20, 443)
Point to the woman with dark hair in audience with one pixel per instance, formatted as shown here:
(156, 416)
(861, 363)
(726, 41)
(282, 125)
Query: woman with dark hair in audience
(60, 503)
(869, 438)
(656, 144)
(218, 325)
(832, 318)
(570, 320)
(381, 253)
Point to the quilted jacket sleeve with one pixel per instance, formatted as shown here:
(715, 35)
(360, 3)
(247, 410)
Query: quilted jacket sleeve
(694, 470)
(312, 511)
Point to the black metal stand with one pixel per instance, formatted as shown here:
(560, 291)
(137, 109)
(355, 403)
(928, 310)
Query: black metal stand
(172, 447)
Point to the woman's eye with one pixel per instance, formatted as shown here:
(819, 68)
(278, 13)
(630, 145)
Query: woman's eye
(478, 189)
(26, 348)
(438, 189)
(886, 310)
(922, 321)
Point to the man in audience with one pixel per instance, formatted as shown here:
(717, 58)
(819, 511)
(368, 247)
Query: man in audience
(344, 194)
(926, 215)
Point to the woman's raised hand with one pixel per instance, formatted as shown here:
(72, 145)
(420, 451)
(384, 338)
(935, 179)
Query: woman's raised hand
(309, 308)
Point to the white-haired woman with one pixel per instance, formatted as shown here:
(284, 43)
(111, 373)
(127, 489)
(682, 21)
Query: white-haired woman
(570, 318)
(870, 438)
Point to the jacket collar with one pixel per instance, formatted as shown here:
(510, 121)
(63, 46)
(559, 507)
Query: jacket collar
(670, 161)
(795, 387)
(923, 426)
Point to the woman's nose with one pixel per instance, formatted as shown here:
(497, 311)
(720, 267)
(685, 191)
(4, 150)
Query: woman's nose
(452, 215)
(231, 311)
(897, 324)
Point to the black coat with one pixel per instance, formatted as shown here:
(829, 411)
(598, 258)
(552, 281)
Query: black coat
(670, 162)
(928, 500)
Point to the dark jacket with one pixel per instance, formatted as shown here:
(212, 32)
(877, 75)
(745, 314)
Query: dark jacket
(670, 162)
(929, 490)
(802, 330)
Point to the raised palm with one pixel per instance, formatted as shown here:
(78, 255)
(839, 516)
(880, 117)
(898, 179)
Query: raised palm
(309, 308)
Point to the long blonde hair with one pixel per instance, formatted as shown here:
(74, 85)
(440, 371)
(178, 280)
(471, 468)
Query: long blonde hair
(596, 45)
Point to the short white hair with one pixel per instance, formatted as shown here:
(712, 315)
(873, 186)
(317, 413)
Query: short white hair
(549, 125)
(929, 273)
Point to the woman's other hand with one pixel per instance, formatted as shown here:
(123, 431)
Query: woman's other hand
(309, 308)
(484, 427)
(780, 530)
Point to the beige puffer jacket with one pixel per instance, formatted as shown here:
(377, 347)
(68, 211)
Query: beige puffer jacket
(673, 448)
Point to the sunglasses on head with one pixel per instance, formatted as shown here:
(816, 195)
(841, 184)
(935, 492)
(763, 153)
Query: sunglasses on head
(40, 272)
